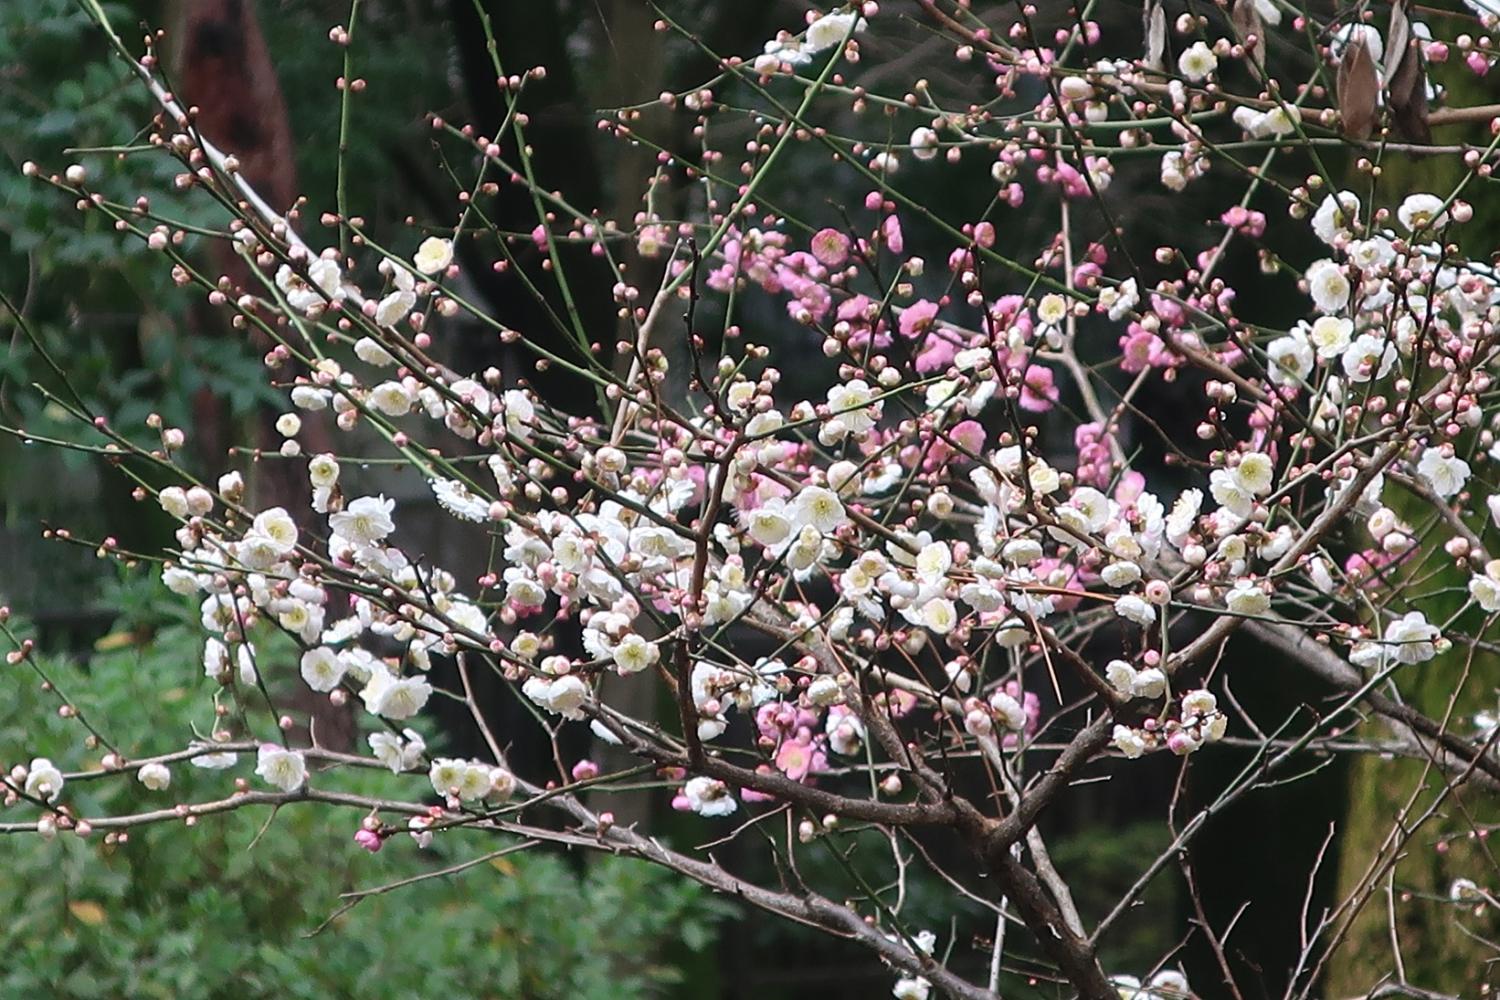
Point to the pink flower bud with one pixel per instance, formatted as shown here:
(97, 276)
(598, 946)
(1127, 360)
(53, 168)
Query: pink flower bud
(1181, 743)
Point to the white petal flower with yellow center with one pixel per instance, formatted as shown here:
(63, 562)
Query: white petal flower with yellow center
(282, 768)
(364, 521)
(434, 255)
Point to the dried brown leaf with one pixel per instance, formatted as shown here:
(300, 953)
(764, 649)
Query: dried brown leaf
(1154, 23)
(1406, 96)
(1397, 40)
(1247, 22)
(1358, 90)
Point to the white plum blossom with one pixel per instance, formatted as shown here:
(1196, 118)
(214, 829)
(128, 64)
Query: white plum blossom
(1372, 255)
(1328, 286)
(395, 697)
(818, 508)
(831, 29)
(635, 653)
(173, 500)
(769, 524)
(464, 779)
(1128, 741)
(43, 780)
(1175, 172)
(1169, 984)
(1292, 359)
(282, 768)
(924, 143)
(371, 352)
(1008, 711)
(846, 733)
(323, 471)
(456, 498)
(1136, 609)
(324, 283)
(1336, 217)
(1121, 675)
(934, 561)
(394, 307)
(912, 988)
(364, 521)
(939, 615)
(854, 404)
(824, 691)
(1444, 473)
(503, 784)
(391, 398)
(307, 397)
(1485, 588)
(564, 695)
(322, 668)
(1247, 598)
(1422, 211)
(1184, 512)
(399, 753)
(1369, 357)
(434, 255)
(709, 797)
(1330, 336)
(1353, 32)
(1411, 639)
(1120, 574)
(1197, 62)
(1278, 121)
(1229, 493)
(1150, 682)
(1119, 300)
(154, 776)
(1255, 473)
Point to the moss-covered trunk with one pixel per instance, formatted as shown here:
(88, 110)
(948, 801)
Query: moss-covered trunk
(1386, 796)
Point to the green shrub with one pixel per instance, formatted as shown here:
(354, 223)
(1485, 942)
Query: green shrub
(215, 910)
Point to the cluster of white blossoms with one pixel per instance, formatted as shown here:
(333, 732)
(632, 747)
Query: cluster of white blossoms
(1355, 340)
(629, 564)
(917, 987)
(1005, 555)
(265, 574)
(470, 780)
(310, 293)
(1168, 984)
(1408, 639)
(717, 689)
(823, 33)
(1198, 721)
(250, 567)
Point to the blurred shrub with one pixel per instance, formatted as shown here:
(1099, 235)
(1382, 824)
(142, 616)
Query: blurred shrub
(214, 911)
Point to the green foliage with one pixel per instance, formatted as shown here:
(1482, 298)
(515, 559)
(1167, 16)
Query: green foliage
(84, 287)
(133, 343)
(1101, 864)
(221, 909)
